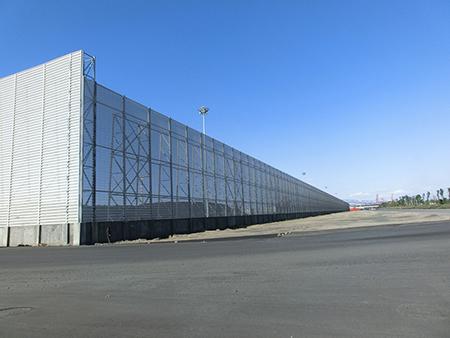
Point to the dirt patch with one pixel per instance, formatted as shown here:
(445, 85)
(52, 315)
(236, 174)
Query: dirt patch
(351, 219)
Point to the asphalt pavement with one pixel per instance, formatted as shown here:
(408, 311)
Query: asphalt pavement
(386, 281)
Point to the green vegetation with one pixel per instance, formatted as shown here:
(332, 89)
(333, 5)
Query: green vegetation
(424, 201)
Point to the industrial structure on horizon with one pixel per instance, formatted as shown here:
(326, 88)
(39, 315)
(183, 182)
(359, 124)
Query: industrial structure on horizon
(81, 164)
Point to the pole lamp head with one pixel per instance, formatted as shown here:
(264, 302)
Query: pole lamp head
(203, 110)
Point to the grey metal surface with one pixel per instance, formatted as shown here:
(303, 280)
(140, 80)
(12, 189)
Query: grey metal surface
(373, 282)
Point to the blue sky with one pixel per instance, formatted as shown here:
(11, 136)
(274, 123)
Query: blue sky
(354, 93)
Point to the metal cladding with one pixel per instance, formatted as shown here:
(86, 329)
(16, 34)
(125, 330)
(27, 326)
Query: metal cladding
(40, 114)
(83, 164)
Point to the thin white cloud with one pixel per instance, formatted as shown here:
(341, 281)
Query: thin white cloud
(382, 194)
(398, 192)
(360, 194)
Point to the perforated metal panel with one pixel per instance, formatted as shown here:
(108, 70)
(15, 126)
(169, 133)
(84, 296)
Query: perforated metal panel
(150, 167)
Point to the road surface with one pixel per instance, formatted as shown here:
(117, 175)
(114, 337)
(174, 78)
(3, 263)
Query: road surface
(387, 281)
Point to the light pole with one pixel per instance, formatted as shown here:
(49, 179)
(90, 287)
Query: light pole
(203, 112)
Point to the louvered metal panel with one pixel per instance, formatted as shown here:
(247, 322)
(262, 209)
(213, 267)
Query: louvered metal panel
(7, 90)
(40, 153)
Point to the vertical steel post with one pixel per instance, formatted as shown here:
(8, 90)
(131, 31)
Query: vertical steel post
(204, 128)
(94, 164)
(242, 186)
(215, 177)
(89, 72)
(203, 158)
(124, 179)
(150, 170)
(172, 211)
(189, 177)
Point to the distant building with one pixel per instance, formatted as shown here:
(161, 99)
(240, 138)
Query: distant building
(82, 164)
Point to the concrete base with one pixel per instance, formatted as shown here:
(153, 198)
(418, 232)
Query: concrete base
(3, 236)
(33, 235)
(109, 232)
(23, 235)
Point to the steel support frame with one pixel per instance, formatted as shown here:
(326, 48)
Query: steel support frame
(88, 147)
(127, 153)
(272, 192)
